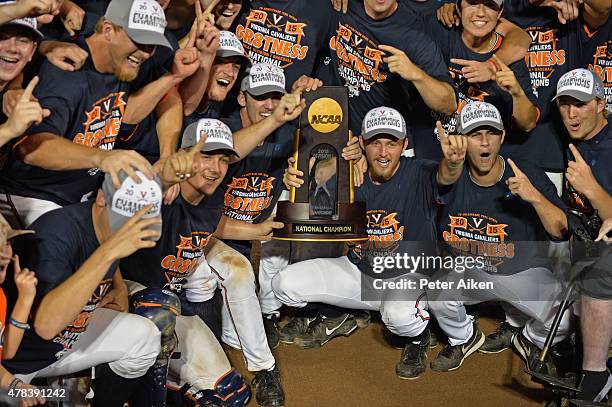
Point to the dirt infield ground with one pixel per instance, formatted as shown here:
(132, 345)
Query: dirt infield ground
(358, 371)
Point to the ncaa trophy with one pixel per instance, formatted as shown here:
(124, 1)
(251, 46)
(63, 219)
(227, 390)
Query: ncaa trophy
(323, 209)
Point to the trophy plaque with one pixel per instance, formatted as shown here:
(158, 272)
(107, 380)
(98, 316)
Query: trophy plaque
(323, 208)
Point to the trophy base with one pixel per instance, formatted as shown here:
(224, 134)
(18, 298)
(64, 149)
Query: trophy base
(299, 226)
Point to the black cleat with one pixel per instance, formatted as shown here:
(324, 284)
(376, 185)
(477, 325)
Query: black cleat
(414, 357)
(323, 329)
(501, 339)
(268, 388)
(451, 357)
(294, 328)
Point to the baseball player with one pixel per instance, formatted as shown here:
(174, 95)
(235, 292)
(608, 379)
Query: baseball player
(20, 39)
(391, 68)
(223, 57)
(510, 231)
(201, 371)
(476, 42)
(86, 118)
(303, 25)
(399, 193)
(592, 50)
(581, 100)
(78, 320)
(224, 267)
(254, 184)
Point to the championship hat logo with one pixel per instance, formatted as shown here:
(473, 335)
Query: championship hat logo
(147, 15)
(383, 120)
(325, 115)
(132, 197)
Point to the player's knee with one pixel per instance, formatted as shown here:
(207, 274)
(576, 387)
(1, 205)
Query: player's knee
(239, 274)
(402, 320)
(144, 341)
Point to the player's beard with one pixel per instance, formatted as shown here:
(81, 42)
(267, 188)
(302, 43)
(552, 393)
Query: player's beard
(125, 74)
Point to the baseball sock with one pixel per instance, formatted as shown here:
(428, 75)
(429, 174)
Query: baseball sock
(592, 384)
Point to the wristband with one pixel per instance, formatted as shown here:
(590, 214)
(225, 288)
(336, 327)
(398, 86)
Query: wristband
(20, 325)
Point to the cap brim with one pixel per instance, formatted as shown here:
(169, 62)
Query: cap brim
(34, 31)
(390, 132)
(16, 233)
(483, 123)
(262, 90)
(220, 147)
(226, 53)
(148, 38)
(581, 96)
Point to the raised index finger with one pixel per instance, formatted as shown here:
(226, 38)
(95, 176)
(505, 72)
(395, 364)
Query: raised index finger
(517, 170)
(199, 145)
(577, 156)
(27, 93)
(198, 10)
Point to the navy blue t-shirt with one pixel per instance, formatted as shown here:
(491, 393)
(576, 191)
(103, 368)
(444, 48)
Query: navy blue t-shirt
(253, 185)
(489, 222)
(549, 56)
(186, 230)
(594, 51)
(356, 62)
(401, 209)
(426, 141)
(285, 33)
(87, 109)
(597, 152)
(65, 238)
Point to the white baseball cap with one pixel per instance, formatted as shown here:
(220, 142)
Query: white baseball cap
(477, 114)
(263, 78)
(383, 120)
(219, 136)
(123, 203)
(143, 20)
(27, 22)
(580, 84)
(229, 45)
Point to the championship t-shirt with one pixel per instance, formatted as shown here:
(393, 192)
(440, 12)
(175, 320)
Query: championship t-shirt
(549, 56)
(65, 238)
(597, 152)
(401, 209)
(595, 53)
(186, 230)
(492, 223)
(285, 33)
(253, 185)
(357, 63)
(426, 141)
(87, 109)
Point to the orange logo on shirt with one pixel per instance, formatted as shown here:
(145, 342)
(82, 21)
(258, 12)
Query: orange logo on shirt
(273, 36)
(248, 196)
(479, 235)
(359, 59)
(102, 122)
(188, 255)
